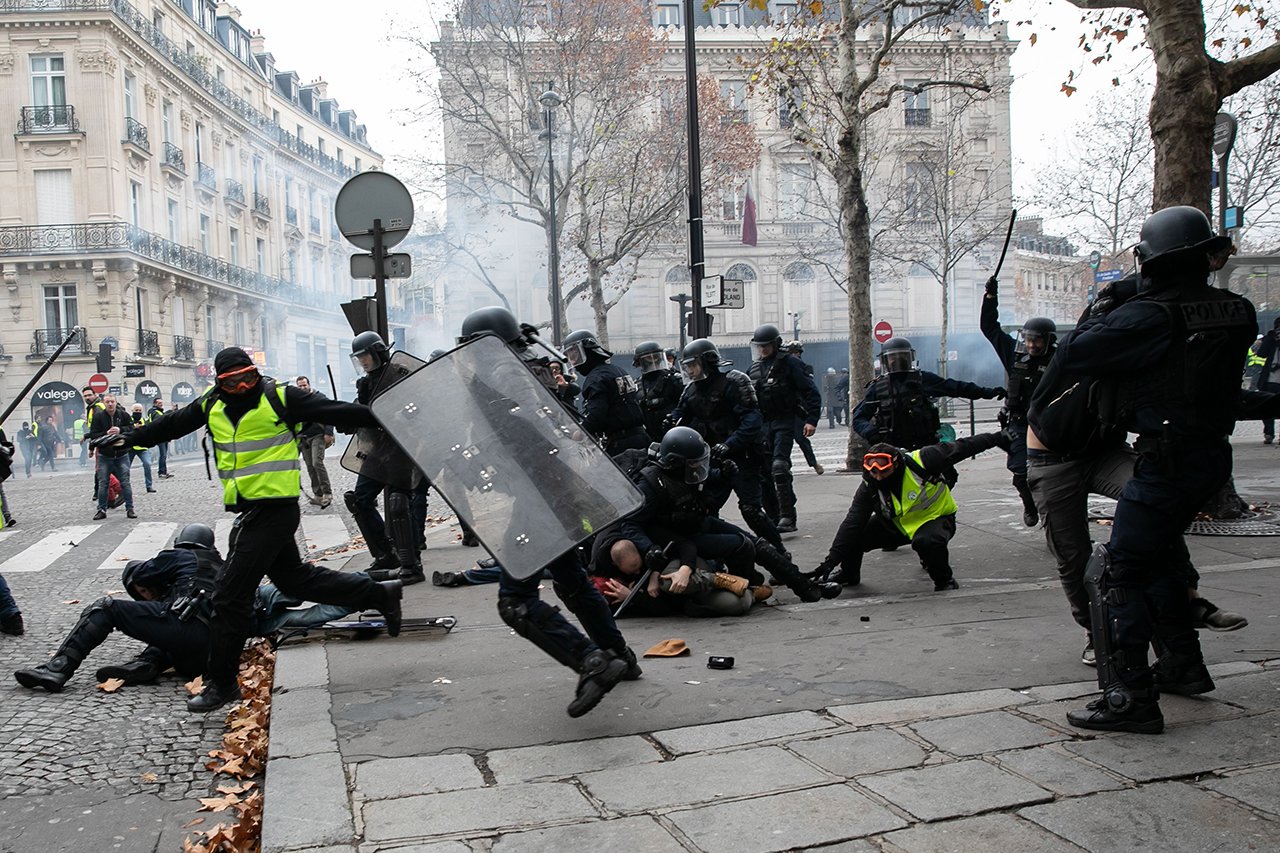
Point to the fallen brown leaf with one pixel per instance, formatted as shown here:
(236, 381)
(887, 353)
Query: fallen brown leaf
(72, 601)
(195, 685)
(217, 804)
(191, 823)
(149, 777)
(111, 685)
(237, 789)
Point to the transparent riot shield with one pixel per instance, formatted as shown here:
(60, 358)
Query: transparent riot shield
(371, 452)
(505, 454)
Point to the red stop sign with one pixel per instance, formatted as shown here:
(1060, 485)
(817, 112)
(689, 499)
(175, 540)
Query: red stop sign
(882, 331)
(99, 383)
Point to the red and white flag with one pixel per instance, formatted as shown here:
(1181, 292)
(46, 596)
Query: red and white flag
(749, 218)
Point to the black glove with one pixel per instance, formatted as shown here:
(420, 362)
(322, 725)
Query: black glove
(1004, 439)
(1113, 295)
(655, 559)
(668, 423)
(993, 287)
(728, 469)
(997, 393)
(720, 451)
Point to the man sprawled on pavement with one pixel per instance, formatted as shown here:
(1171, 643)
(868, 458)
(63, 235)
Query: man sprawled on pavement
(904, 499)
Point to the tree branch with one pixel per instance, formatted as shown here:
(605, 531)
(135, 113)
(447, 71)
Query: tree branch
(1247, 70)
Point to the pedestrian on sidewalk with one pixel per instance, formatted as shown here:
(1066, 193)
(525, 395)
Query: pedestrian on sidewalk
(1269, 376)
(92, 406)
(315, 439)
(155, 413)
(27, 439)
(6, 471)
(251, 422)
(141, 452)
(113, 457)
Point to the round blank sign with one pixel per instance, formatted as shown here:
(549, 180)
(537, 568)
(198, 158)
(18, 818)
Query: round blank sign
(369, 196)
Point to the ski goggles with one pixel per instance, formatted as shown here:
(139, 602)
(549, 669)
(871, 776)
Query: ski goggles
(238, 381)
(878, 462)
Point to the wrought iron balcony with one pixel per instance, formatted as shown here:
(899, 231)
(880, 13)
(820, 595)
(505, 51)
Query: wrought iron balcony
(291, 214)
(261, 204)
(184, 348)
(173, 158)
(148, 342)
(135, 132)
(315, 225)
(235, 191)
(48, 340)
(206, 176)
(59, 118)
(734, 116)
(212, 348)
(916, 117)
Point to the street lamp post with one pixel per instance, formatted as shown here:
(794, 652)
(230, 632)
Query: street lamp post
(550, 99)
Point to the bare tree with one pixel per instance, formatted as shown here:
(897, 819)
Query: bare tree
(1254, 169)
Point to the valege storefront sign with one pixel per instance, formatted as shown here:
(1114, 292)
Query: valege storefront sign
(55, 394)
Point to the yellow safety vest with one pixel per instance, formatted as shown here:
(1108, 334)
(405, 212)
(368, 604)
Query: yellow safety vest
(77, 429)
(88, 415)
(919, 501)
(257, 458)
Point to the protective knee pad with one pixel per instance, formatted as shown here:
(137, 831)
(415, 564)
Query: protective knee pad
(760, 525)
(780, 468)
(349, 498)
(528, 619)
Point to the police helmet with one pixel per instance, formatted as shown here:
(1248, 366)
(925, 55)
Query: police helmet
(897, 355)
(795, 347)
(1173, 230)
(195, 535)
(369, 343)
(703, 355)
(767, 335)
(1038, 327)
(683, 450)
(127, 576)
(581, 345)
(495, 320)
(435, 353)
(649, 357)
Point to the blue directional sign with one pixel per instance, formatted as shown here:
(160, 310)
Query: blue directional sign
(1104, 276)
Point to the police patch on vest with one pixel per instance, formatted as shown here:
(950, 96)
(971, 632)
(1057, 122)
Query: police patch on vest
(1218, 313)
(626, 385)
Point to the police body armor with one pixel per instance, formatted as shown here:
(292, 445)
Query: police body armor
(659, 395)
(1024, 376)
(778, 398)
(687, 507)
(906, 417)
(625, 411)
(706, 405)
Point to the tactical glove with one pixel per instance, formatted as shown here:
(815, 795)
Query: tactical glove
(655, 559)
(993, 286)
(728, 469)
(1004, 439)
(720, 451)
(997, 394)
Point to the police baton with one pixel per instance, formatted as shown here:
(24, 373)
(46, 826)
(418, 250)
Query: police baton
(333, 386)
(635, 590)
(44, 368)
(1007, 236)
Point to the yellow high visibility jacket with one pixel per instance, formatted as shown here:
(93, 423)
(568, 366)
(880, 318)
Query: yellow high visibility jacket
(919, 500)
(258, 457)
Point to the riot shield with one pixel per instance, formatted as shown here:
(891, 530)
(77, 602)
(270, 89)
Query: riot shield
(506, 454)
(371, 452)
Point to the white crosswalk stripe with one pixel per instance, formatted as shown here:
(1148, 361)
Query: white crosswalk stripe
(5, 534)
(142, 543)
(323, 531)
(44, 553)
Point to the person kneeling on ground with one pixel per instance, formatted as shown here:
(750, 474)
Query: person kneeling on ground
(903, 499)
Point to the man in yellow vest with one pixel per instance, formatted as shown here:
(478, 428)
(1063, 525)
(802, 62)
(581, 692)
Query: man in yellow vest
(252, 423)
(904, 500)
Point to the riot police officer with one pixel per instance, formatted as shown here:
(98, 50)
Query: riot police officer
(786, 392)
(722, 408)
(392, 543)
(897, 408)
(1170, 368)
(1024, 362)
(170, 611)
(660, 387)
(603, 659)
(610, 398)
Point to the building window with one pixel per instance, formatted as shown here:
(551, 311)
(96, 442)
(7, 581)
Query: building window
(734, 93)
(179, 316)
(727, 15)
(48, 81)
(740, 272)
(784, 11)
(157, 21)
(302, 354)
(338, 154)
(257, 173)
(210, 322)
(732, 200)
(320, 351)
(794, 183)
(60, 311)
(358, 167)
(173, 220)
(55, 197)
(135, 203)
(204, 233)
(667, 14)
(300, 129)
(166, 120)
(233, 246)
(264, 334)
(917, 183)
(320, 145)
(199, 142)
(144, 308)
(130, 89)
(677, 276)
(798, 272)
(916, 112)
(241, 338)
(262, 256)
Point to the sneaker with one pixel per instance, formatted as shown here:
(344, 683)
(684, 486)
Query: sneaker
(1267, 439)
(149, 489)
(313, 500)
(1205, 614)
(1089, 657)
(99, 515)
(786, 525)
(817, 467)
(12, 625)
(325, 500)
(130, 514)
(10, 521)
(942, 586)
(600, 673)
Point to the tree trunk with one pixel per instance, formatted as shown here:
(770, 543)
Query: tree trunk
(946, 325)
(855, 231)
(599, 308)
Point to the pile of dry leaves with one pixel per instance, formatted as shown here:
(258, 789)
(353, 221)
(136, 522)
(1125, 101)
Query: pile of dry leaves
(243, 756)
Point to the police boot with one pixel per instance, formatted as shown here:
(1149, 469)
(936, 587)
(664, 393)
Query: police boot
(400, 525)
(1122, 709)
(627, 656)
(600, 672)
(90, 632)
(136, 671)
(216, 693)
(1181, 674)
(781, 567)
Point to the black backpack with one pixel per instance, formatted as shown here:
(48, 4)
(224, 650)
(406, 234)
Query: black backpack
(1064, 412)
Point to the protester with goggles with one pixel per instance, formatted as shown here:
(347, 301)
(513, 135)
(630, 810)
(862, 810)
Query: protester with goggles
(903, 499)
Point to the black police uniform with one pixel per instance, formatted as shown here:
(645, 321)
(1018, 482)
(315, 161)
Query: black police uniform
(1171, 358)
(785, 392)
(722, 408)
(611, 406)
(660, 393)
(1024, 372)
(898, 408)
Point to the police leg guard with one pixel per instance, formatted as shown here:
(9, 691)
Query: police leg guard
(1030, 515)
(400, 524)
(91, 631)
(780, 566)
(377, 543)
(760, 524)
(531, 619)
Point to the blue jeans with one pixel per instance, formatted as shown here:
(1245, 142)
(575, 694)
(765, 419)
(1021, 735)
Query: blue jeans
(8, 607)
(145, 456)
(84, 453)
(162, 468)
(118, 465)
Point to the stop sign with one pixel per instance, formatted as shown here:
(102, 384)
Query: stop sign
(98, 383)
(883, 331)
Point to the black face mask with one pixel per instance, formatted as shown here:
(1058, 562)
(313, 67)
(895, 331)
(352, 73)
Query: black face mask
(137, 417)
